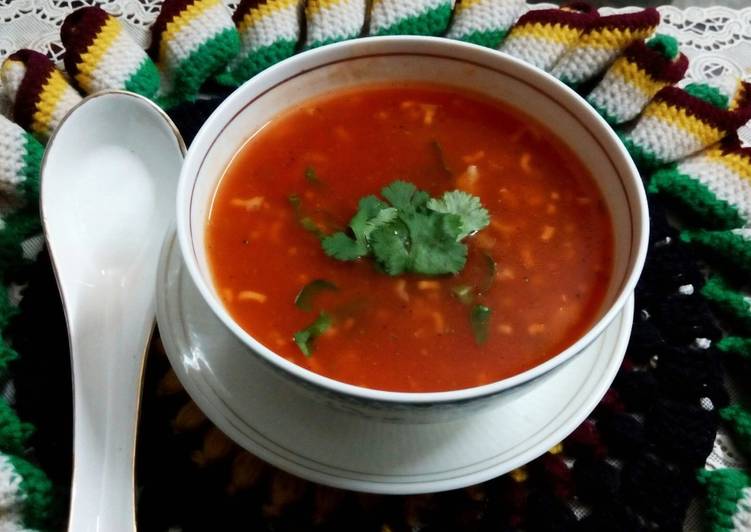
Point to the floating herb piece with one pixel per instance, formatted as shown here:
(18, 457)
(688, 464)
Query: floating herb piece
(311, 176)
(304, 299)
(463, 293)
(306, 222)
(479, 317)
(412, 232)
(490, 269)
(438, 149)
(305, 338)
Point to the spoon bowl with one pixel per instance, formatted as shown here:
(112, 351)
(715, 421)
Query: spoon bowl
(109, 178)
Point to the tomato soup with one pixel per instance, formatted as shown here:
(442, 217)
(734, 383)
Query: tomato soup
(538, 271)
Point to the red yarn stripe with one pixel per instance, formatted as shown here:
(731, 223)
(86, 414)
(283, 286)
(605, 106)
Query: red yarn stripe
(38, 70)
(656, 64)
(78, 32)
(706, 112)
(645, 18)
(170, 10)
(243, 8)
(574, 19)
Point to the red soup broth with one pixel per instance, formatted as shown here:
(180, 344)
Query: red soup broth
(550, 236)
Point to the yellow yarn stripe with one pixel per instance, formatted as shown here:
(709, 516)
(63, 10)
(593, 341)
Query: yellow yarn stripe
(262, 11)
(519, 474)
(313, 7)
(557, 33)
(738, 94)
(706, 133)
(185, 17)
(635, 76)
(50, 97)
(463, 5)
(614, 38)
(91, 58)
(735, 162)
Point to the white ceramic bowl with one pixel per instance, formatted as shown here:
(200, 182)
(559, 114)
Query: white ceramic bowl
(383, 59)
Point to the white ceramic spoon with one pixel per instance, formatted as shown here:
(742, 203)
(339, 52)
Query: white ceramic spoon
(109, 178)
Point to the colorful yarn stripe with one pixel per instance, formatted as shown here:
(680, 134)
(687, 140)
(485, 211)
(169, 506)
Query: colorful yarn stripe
(678, 123)
(635, 77)
(409, 17)
(39, 93)
(601, 43)
(713, 185)
(728, 500)
(541, 37)
(732, 247)
(20, 156)
(733, 304)
(330, 21)
(100, 55)
(23, 486)
(736, 345)
(192, 40)
(14, 433)
(484, 22)
(269, 31)
(742, 97)
(740, 421)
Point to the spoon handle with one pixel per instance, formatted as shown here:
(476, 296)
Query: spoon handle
(108, 354)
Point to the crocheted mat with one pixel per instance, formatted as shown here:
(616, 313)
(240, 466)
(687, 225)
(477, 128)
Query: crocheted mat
(631, 466)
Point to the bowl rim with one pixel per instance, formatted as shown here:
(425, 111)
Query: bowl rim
(401, 46)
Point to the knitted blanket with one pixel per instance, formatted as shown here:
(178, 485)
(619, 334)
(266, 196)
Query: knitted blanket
(635, 464)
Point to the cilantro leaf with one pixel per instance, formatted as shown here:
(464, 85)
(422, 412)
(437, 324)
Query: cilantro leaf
(304, 298)
(479, 317)
(305, 337)
(410, 233)
(467, 207)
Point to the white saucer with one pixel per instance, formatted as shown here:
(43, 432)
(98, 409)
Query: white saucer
(271, 420)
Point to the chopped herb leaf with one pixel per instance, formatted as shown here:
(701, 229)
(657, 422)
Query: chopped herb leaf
(463, 293)
(306, 222)
(304, 299)
(490, 268)
(467, 207)
(304, 338)
(479, 317)
(407, 234)
(438, 149)
(311, 176)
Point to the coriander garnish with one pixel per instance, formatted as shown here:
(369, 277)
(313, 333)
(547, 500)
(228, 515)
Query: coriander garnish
(479, 317)
(306, 222)
(311, 176)
(304, 299)
(304, 338)
(412, 232)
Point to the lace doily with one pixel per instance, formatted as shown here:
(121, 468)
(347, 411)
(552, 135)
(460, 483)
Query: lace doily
(717, 41)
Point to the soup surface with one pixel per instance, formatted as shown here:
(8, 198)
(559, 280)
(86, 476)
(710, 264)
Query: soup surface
(539, 270)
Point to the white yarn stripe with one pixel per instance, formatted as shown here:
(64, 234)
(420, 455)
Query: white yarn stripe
(584, 62)
(68, 99)
(542, 53)
(13, 150)
(283, 24)
(619, 98)
(12, 522)
(668, 142)
(13, 73)
(196, 32)
(339, 21)
(485, 15)
(725, 184)
(386, 13)
(744, 233)
(121, 60)
(10, 486)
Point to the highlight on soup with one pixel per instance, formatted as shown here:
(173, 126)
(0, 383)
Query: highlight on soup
(410, 237)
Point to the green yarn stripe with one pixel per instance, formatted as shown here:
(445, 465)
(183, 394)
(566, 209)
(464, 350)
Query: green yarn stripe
(14, 433)
(32, 160)
(433, 21)
(641, 157)
(332, 40)
(489, 38)
(209, 58)
(145, 80)
(713, 212)
(37, 492)
(610, 119)
(736, 345)
(732, 303)
(19, 226)
(740, 421)
(728, 246)
(256, 61)
(724, 488)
